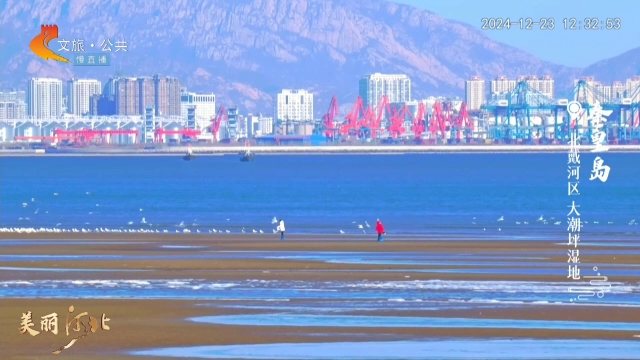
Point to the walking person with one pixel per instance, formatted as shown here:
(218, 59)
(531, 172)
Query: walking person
(281, 229)
(380, 230)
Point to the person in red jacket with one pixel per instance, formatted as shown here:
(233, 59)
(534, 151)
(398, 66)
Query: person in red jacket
(380, 230)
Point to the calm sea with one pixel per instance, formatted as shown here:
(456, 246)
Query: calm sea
(411, 194)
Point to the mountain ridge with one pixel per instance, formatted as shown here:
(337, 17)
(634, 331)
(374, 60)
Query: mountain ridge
(245, 51)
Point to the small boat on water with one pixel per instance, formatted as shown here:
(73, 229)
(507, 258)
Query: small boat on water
(189, 155)
(247, 155)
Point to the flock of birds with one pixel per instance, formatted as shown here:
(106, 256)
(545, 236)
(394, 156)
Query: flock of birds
(182, 226)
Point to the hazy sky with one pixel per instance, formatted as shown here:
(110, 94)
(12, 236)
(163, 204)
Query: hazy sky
(565, 47)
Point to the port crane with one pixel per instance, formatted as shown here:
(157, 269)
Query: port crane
(217, 121)
(328, 118)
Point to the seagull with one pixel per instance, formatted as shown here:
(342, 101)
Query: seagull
(38, 209)
(541, 218)
(273, 221)
(227, 231)
(274, 231)
(517, 222)
(140, 209)
(88, 193)
(243, 230)
(261, 232)
(130, 223)
(143, 221)
(526, 223)
(58, 224)
(90, 212)
(501, 218)
(341, 232)
(360, 227)
(557, 223)
(24, 204)
(55, 194)
(367, 224)
(499, 229)
(97, 204)
(32, 199)
(254, 231)
(181, 224)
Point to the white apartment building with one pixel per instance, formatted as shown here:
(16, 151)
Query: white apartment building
(502, 85)
(205, 105)
(397, 88)
(44, 98)
(595, 90)
(632, 89)
(475, 93)
(294, 105)
(266, 125)
(80, 92)
(13, 105)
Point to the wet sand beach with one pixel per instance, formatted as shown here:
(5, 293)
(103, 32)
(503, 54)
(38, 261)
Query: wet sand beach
(150, 285)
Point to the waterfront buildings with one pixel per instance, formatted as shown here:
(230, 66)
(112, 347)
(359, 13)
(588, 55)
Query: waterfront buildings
(396, 87)
(13, 104)
(205, 106)
(44, 98)
(616, 92)
(79, 92)
(294, 105)
(502, 85)
(167, 93)
(475, 93)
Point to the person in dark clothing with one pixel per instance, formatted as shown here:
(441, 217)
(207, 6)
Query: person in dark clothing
(380, 230)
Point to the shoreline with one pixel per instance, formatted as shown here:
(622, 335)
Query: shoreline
(322, 150)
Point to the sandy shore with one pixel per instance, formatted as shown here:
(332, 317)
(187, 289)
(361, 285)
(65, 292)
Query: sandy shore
(140, 324)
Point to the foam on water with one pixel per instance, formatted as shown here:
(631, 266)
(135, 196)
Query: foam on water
(406, 292)
(443, 349)
(282, 319)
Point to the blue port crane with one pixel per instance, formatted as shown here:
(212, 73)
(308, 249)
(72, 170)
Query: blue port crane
(622, 124)
(516, 113)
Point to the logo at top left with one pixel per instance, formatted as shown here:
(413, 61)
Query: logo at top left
(40, 44)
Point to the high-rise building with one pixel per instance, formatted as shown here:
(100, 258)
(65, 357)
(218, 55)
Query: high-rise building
(294, 105)
(545, 86)
(501, 85)
(205, 107)
(44, 98)
(167, 96)
(13, 104)
(475, 93)
(146, 94)
(127, 96)
(396, 87)
(79, 93)
(266, 125)
(617, 90)
(632, 89)
(585, 93)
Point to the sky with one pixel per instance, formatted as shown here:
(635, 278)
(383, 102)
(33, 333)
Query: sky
(560, 46)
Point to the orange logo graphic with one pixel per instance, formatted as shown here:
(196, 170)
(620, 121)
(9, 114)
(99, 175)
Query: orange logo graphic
(40, 44)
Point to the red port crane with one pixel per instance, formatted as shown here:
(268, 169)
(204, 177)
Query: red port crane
(374, 123)
(217, 121)
(396, 126)
(419, 121)
(353, 118)
(438, 123)
(463, 122)
(328, 118)
(160, 132)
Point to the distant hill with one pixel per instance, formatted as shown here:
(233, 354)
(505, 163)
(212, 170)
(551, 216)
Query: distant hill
(620, 68)
(247, 50)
